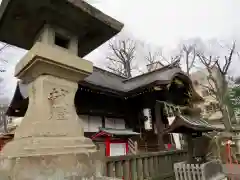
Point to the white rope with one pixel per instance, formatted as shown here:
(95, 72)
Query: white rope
(179, 111)
(166, 109)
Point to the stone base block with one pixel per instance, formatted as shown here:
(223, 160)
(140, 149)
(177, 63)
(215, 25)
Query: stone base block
(106, 178)
(52, 167)
(36, 146)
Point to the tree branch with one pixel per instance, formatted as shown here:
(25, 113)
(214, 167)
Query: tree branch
(3, 60)
(217, 79)
(123, 52)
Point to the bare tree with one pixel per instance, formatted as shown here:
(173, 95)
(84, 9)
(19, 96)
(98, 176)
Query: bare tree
(189, 55)
(2, 60)
(2, 66)
(153, 56)
(2, 70)
(128, 55)
(185, 55)
(156, 58)
(218, 86)
(122, 55)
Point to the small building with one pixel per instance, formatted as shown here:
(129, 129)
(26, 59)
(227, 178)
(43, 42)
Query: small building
(193, 129)
(106, 100)
(116, 141)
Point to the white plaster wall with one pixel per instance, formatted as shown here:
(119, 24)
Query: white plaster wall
(115, 123)
(92, 123)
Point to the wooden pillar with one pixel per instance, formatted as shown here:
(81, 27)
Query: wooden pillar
(107, 143)
(190, 147)
(159, 125)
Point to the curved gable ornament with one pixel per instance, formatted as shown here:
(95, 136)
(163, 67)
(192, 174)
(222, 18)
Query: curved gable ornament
(181, 78)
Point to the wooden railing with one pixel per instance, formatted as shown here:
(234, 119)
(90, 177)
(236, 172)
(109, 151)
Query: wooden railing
(154, 165)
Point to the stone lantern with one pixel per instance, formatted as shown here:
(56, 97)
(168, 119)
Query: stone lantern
(50, 144)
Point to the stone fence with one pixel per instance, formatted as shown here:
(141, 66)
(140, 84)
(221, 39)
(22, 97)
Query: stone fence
(211, 170)
(154, 165)
(232, 171)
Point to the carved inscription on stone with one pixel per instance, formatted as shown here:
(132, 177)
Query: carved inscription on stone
(60, 113)
(59, 106)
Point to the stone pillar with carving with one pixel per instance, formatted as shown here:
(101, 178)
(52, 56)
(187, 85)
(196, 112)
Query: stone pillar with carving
(50, 143)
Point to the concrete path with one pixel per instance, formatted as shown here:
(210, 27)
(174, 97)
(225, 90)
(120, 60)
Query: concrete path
(232, 170)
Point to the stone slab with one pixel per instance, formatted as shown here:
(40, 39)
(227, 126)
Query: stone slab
(5, 177)
(81, 165)
(52, 60)
(24, 18)
(231, 169)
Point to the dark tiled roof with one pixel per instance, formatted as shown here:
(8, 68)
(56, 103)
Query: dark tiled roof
(115, 84)
(106, 79)
(164, 76)
(109, 80)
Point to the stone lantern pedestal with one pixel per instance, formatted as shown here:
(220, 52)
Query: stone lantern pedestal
(50, 144)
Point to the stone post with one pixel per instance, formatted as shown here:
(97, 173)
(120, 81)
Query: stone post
(50, 143)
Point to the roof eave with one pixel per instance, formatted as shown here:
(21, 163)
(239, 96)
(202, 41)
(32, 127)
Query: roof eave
(180, 122)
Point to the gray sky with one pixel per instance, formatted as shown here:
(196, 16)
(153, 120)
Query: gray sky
(159, 22)
(165, 23)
